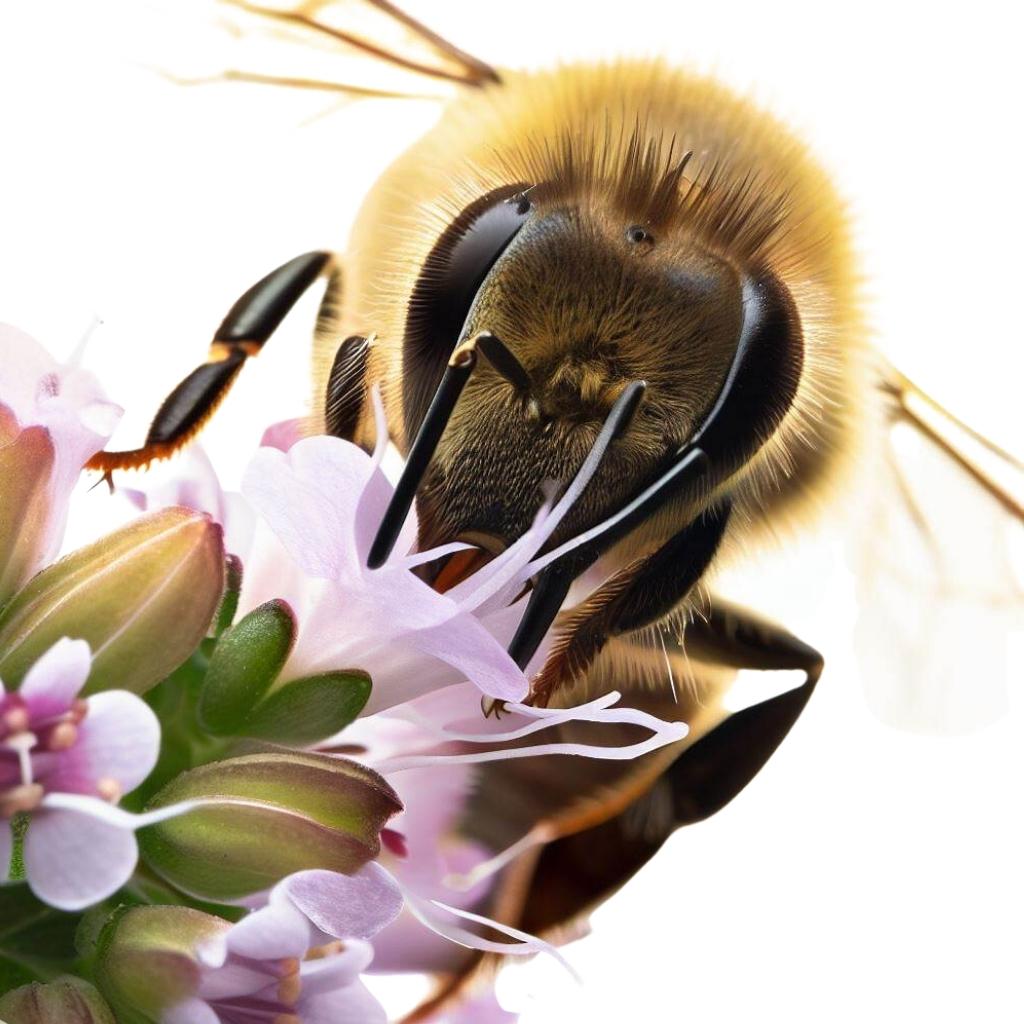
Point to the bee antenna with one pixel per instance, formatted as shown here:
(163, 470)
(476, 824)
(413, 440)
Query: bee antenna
(456, 374)
(501, 358)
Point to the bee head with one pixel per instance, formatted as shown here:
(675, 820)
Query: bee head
(586, 302)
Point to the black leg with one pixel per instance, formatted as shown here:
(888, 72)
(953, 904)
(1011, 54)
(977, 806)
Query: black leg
(711, 772)
(243, 332)
(639, 595)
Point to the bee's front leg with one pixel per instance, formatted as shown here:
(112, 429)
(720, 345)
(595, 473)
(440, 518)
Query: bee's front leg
(638, 595)
(243, 332)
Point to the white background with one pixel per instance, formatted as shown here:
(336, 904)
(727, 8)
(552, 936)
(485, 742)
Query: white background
(866, 874)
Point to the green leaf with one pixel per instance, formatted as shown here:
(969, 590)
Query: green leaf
(245, 663)
(13, 974)
(310, 709)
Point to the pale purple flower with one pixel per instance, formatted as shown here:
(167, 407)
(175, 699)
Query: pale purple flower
(299, 957)
(53, 418)
(324, 499)
(65, 762)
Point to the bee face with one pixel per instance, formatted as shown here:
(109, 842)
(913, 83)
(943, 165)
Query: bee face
(588, 302)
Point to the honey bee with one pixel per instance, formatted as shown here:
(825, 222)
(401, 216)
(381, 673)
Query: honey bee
(629, 247)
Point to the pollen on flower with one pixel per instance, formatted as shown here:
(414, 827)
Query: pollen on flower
(109, 789)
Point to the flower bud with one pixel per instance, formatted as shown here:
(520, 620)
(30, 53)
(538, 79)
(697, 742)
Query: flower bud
(143, 597)
(145, 961)
(26, 466)
(263, 816)
(64, 1001)
(239, 696)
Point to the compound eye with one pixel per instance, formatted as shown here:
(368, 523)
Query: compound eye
(447, 284)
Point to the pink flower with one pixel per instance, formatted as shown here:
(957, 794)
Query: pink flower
(282, 962)
(52, 420)
(64, 763)
(324, 499)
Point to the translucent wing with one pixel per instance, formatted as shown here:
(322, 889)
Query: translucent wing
(352, 47)
(939, 573)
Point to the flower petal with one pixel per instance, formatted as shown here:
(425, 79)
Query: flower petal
(191, 1011)
(309, 497)
(284, 434)
(271, 933)
(465, 644)
(118, 739)
(346, 906)
(352, 1004)
(73, 860)
(56, 678)
(338, 970)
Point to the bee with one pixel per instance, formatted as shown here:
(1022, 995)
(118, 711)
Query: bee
(624, 246)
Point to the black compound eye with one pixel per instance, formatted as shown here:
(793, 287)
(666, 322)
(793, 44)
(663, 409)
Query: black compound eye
(637, 234)
(447, 284)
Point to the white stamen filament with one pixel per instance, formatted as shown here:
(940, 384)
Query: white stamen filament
(22, 745)
(537, 836)
(668, 732)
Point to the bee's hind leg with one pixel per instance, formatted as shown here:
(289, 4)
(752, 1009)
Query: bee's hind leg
(243, 332)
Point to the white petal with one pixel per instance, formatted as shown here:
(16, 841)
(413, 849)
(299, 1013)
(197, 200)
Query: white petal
(309, 497)
(271, 933)
(57, 676)
(73, 860)
(352, 1004)
(119, 739)
(191, 1011)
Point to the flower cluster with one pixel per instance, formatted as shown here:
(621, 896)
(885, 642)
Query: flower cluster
(235, 762)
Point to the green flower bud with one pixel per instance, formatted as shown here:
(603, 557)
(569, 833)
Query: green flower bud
(145, 960)
(263, 816)
(64, 1001)
(239, 697)
(243, 667)
(143, 597)
(26, 504)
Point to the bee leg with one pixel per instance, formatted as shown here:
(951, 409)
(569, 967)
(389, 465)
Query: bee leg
(243, 332)
(706, 776)
(636, 596)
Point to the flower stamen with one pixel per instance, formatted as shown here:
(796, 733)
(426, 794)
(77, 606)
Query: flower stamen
(62, 736)
(22, 744)
(109, 789)
(15, 719)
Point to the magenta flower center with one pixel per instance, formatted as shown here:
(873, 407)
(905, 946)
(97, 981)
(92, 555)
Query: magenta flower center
(30, 745)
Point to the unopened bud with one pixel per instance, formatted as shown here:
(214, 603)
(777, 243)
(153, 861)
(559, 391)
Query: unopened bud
(64, 1001)
(263, 816)
(143, 597)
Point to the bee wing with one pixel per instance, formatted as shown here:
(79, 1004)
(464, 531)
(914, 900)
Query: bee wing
(353, 47)
(939, 573)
